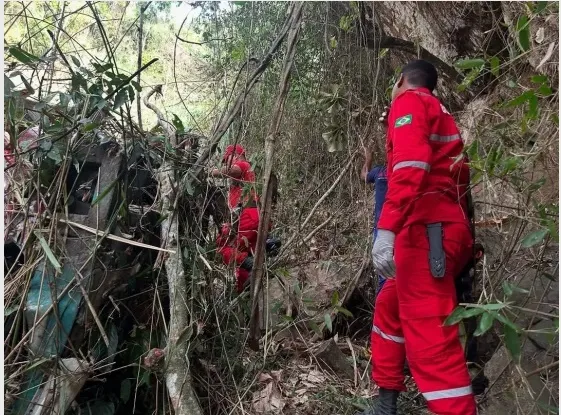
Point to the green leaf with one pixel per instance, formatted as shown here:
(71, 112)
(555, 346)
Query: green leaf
(333, 42)
(178, 124)
(54, 154)
(470, 77)
(344, 311)
(460, 313)
(495, 63)
(553, 229)
(505, 321)
(532, 107)
(520, 99)
(48, 252)
(541, 6)
(8, 86)
(507, 289)
(523, 29)
(469, 63)
(335, 298)
(23, 56)
(494, 306)
(534, 238)
(126, 388)
(545, 90)
(510, 289)
(328, 322)
(90, 127)
(130, 90)
(101, 104)
(136, 86)
(485, 324)
(98, 198)
(64, 99)
(456, 316)
(75, 60)
(512, 342)
(79, 81)
(102, 68)
(345, 23)
(120, 99)
(539, 79)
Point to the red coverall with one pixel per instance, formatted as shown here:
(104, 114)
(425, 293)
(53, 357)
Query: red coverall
(427, 178)
(236, 248)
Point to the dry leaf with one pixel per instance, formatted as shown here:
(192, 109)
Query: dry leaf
(540, 34)
(269, 400)
(548, 54)
(265, 377)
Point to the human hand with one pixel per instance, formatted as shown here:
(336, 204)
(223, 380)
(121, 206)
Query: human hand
(384, 116)
(382, 253)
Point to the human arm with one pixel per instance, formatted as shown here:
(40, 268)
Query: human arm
(367, 164)
(233, 171)
(411, 157)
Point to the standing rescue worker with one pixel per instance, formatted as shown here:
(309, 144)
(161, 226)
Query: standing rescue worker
(378, 177)
(237, 239)
(423, 242)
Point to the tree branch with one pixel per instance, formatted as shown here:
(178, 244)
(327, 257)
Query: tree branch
(270, 141)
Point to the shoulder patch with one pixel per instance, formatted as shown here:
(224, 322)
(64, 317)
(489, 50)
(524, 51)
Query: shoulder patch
(401, 121)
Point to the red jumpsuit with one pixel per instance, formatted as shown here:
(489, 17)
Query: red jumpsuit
(236, 248)
(427, 182)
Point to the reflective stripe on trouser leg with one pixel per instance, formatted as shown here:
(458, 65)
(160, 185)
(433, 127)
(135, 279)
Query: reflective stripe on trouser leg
(412, 163)
(387, 342)
(434, 351)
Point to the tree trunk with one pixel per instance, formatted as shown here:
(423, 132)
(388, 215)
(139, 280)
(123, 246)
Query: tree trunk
(177, 375)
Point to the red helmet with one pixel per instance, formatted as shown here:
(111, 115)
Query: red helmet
(236, 150)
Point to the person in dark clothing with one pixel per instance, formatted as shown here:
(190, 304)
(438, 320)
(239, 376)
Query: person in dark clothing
(376, 176)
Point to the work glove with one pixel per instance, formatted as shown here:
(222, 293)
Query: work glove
(382, 253)
(384, 116)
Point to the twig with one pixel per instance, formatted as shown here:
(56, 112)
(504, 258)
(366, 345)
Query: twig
(115, 237)
(541, 369)
(199, 43)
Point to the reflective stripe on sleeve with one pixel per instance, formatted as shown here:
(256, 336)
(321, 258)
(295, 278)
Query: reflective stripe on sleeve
(412, 163)
(448, 393)
(383, 335)
(445, 138)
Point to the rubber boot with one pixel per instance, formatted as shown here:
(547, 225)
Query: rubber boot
(385, 405)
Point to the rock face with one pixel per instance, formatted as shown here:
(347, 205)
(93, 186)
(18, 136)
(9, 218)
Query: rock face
(452, 31)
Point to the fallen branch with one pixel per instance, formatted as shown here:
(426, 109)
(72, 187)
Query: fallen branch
(114, 237)
(270, 141)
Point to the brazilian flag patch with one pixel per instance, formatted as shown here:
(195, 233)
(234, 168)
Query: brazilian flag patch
(401, 121)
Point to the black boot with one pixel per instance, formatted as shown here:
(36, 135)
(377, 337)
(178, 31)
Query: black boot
(385, 405)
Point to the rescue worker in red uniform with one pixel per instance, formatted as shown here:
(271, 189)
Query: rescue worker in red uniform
(237, 239)
(423, 242)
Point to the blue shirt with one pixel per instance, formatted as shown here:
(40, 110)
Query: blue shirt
(378, 177)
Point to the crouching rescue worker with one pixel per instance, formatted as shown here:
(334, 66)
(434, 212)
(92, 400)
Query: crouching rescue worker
(237, 239)
(423, 241)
